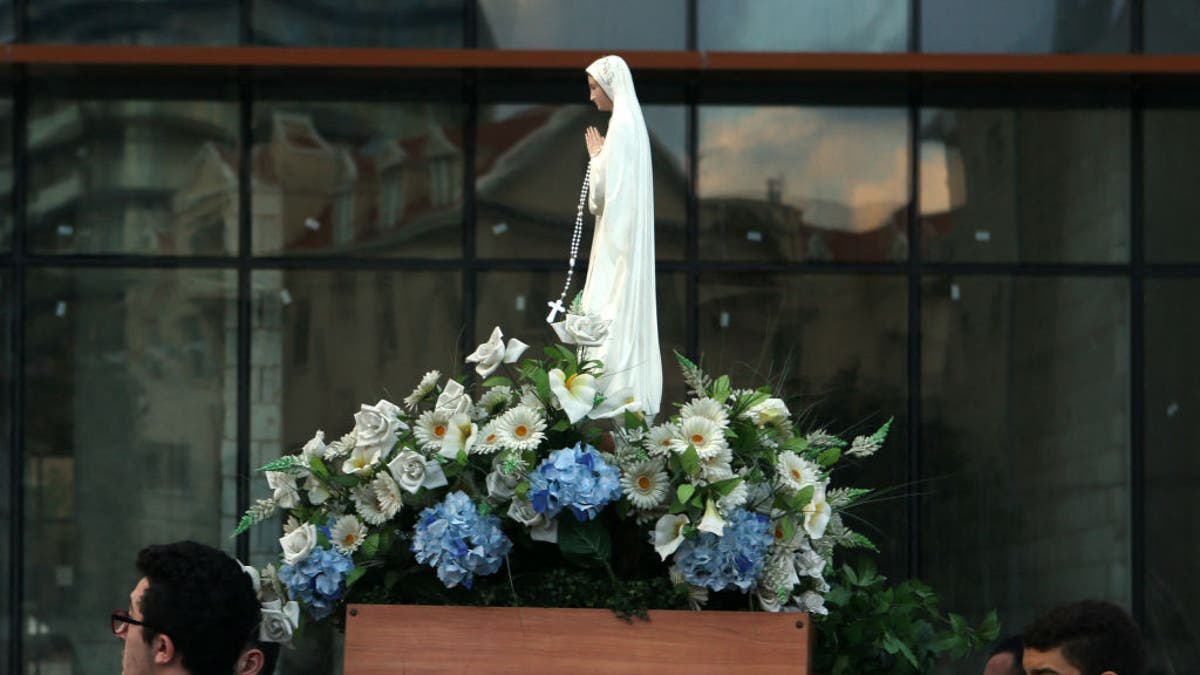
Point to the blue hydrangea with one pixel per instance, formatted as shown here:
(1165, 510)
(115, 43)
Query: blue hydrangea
(318, 581)
(734, 560)
(575, 478)
(459, 542)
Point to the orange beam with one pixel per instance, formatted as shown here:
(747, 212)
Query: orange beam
(692, 61)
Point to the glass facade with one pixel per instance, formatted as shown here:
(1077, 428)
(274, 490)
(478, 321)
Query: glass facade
(197, 272)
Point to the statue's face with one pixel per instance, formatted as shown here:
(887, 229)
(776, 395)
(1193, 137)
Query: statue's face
(596, 95)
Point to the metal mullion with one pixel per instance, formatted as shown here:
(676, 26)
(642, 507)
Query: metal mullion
(470, 33)
(914, 456)
(245, 22)
(1137, 24)
(914, 26)
(16, 328)
(1137, 366)
(244, 306)
(692, 227)
(467, 263)
(692, 17)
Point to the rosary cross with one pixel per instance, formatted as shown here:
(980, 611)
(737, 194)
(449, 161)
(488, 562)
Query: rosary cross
(555, 308)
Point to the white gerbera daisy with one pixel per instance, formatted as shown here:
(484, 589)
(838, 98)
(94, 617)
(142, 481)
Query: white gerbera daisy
(645, 484)
(708, 409)
(493, 402)
(489, 439)
(424, 388)
(658, 440)
(794, 472)
(431, 429)
(736, 497)
(702, 434)
(521, 428)
(367, 504)
(347, 534)
(387, 494)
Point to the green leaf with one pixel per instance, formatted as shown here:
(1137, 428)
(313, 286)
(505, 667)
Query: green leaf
(720, 389)
(685, 492)
(690, 461)
(561, 425)
(725, 487)
(354, 575)
(796, 444)
(829, 457)
(683, 361)
(344, 481)
(497, 381)
(802, 498)
(461, 457)
(882, 432)
(286, 464)
(588, 543)
(522, 489)
(787, 527)
(391, 578)
(370, 547)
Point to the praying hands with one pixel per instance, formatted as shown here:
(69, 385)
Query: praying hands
(595, 142)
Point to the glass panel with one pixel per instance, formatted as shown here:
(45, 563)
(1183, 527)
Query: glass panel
(6, 378)
(148, 22)
(1171, 173)
(787, 184)
(516, 301)
(608, 25)
(1025, 26)
(1172, 26)
(359, 23)
(6, 174)
(1026, 435)
(530, 162)
(358, 178)
(1026, 184)
(1172, 472)
(834, 347)
(7, 34)
(135, 177)
(803, 25)
(129, 383)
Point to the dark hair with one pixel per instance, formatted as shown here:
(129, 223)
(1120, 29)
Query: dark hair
(201, 598)
(1014, 646)
(1094, 636)
(270, 652)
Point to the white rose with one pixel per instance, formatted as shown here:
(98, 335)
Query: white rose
(298, 543)
(540, 527)
(489, 355)
(314, 448)
(453, 400)
(770, 411)
(408, 468)
(278, 621)
(585, 330)
(501, 486)
(376, 426)
(286, 495)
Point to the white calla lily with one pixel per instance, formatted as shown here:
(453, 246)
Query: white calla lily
(817, 513)
(616, 403)
(712, 520)
(576, 394)
(668, 534)
(460, 436)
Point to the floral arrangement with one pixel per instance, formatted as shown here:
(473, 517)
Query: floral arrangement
(542, 472)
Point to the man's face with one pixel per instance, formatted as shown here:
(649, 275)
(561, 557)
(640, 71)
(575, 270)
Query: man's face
(136, 659)
(1050, 662)
(1004, 663)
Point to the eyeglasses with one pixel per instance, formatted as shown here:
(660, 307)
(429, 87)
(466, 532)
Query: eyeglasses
(121, 622)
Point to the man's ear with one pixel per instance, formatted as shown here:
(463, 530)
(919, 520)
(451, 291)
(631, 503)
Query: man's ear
(250, 662)
(162, 649)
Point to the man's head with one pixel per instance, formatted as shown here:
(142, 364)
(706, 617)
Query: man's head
(259, 658)
(1005, 658)
(1090, 637)
(192, 612)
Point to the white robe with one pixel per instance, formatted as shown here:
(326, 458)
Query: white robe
(620, 282)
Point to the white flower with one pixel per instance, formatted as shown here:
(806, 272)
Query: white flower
(576, 394)
(489, 355)
(717, 467)
(658, 439)
(529, 398)
(387, 494)
(863, 446)
(645, 484)
(520, 429)
(500, 485)
(668, 534)
(821, 439)
(431, 428)
(290, 525)
(461, 433)
(770, 411)
(737, 496)
(702, 434)
(794, 472)
(493, 402)
(617, 403)
(317, 493)
(361, 460)
(340, 447)
(286, 494)
(424, 387)
(255, 578)
(540, 527)
(697, 595)
(278, 621)
(817, 513)
(489, 439)
(453, 399)
(377, 426)
(366, 502)
(347, 534)
(412, 472)
(585, 330)
(708, 409)
(314, 448)
(812, 603)
(297, 544)
(808, 563)
(712, 520)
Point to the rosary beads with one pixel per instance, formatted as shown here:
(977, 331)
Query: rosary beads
(576, 236)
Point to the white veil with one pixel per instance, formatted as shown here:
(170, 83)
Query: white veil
(620, 282)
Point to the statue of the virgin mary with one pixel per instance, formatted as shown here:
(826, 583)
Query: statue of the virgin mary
(620, 284)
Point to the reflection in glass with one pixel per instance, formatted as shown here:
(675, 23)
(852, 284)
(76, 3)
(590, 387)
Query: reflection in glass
(785, 184)
(358, 178)
(149, 22)
(516, 302)
(1026, 436)
(529, 166)
(1027, 184)
(1172, 471)
(358, 23)
(6, 174)
(129, 440)
(1172, 144)
(1172, 26)
(6, 374)
(1025, 26)
(136, 177)
(609, 25)
(803, 25)
(834, 348)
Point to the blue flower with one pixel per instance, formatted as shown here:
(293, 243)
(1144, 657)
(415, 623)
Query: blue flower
(318, 581)
(458, 542)
(734, 560)
(575, 478)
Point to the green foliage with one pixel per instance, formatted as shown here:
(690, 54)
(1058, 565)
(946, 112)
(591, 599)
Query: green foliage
(586, 543)
(262, 509)
(876, 628)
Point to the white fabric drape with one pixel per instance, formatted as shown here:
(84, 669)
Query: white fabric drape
(620, 279)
